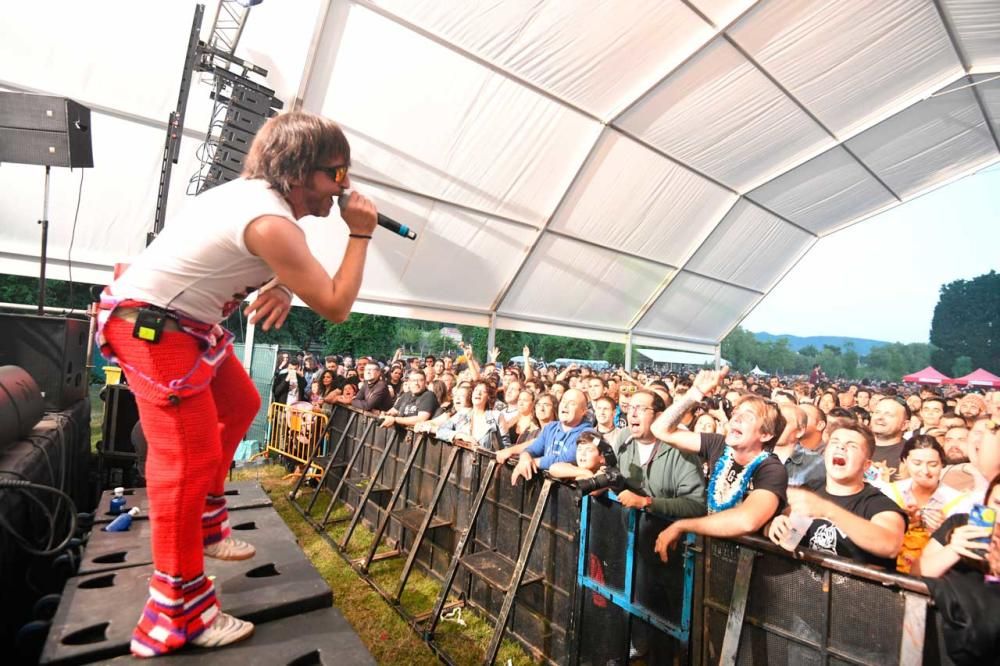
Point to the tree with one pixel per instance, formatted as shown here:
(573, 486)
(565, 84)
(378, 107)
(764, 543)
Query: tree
(966, 322)
(962, 367)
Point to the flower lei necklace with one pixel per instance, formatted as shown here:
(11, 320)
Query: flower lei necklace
(736, 488)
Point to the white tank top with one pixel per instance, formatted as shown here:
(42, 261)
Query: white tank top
(199, 265)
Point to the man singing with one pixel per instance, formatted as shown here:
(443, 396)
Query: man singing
(160, 320)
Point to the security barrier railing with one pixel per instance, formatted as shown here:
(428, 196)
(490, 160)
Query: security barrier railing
(579, 583)
(295, 432)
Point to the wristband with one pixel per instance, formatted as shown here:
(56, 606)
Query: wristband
(366, 237)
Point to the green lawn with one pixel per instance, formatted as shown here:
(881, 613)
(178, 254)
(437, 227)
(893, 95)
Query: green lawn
(389, 638)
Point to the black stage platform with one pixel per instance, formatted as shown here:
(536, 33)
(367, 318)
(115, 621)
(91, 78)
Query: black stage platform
(278, 589)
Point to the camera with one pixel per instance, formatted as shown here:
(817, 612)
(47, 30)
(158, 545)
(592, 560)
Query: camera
(608, 477)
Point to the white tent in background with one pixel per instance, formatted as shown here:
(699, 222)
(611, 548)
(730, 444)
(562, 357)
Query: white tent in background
(641, 172)
(758, 372)
(678, 357)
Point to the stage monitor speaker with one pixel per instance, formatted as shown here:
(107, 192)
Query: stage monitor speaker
(120, 416)
(40, 129)
(53, 350)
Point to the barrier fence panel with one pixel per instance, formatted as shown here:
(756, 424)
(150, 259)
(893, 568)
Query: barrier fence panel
(295, 434)
(597, 599)
(630, 601)
(814, 610)
(262, 374)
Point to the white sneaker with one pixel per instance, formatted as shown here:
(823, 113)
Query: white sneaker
(230, 548)
(224, 630)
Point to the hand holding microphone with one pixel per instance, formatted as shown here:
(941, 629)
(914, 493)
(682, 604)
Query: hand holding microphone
(346, 203)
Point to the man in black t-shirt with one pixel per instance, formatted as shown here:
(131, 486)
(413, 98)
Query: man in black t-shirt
(413, 406)
(850, 517)
(746, 483)
(889, 421)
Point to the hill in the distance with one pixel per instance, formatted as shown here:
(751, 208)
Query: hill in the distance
(861, 345)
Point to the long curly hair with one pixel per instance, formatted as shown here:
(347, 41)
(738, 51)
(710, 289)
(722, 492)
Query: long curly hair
(290, 146)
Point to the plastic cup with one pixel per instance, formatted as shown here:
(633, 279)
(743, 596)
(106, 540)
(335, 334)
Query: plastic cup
(112, 374)
(798, 525)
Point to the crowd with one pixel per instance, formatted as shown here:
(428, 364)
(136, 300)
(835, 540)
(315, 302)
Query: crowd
(901, 478)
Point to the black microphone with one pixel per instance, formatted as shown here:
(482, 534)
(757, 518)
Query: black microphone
(383, 221)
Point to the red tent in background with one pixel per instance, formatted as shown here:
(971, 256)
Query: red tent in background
(977, 378)
(927, 376)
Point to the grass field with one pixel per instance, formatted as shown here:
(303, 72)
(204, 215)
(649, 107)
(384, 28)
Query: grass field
(389, 638)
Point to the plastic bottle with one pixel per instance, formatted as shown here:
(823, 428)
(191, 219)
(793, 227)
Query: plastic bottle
(118, 501)
(123, 521)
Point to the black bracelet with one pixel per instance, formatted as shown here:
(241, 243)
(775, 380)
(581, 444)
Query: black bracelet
(360, 236)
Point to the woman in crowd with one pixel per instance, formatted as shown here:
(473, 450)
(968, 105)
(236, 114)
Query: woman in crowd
(927, 502)
(461, 397)
(827, 402)
(328, 392)
(443, 395)
(481, 425)
(524, 420)
(706, 423)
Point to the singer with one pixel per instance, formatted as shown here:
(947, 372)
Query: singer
(160, 321)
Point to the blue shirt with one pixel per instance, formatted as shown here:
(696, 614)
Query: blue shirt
(554, 444)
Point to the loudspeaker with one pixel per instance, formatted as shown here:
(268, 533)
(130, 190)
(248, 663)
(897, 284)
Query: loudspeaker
(53, 350)
(120, 416)
(40, 129)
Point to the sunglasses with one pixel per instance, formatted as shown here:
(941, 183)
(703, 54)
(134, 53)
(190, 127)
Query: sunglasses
(337, 173)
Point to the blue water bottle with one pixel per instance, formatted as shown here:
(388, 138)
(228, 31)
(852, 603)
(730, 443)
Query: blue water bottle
(118, 501)
(123, 521)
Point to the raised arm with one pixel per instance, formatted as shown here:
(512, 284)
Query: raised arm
(529, 372)
(665, 426)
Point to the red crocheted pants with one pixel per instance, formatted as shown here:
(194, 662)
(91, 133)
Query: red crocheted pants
(191, 443)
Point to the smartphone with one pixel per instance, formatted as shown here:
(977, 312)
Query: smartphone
(982, 516)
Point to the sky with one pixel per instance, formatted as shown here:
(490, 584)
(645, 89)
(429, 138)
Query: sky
(880, 278)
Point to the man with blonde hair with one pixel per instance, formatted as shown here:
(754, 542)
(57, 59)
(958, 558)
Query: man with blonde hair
(747, 482)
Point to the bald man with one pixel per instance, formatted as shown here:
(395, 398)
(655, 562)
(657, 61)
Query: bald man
(556, 442)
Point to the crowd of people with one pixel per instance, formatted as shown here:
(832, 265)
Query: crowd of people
(900, 478)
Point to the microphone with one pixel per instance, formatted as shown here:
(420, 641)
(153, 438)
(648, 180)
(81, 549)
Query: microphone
(383, 221)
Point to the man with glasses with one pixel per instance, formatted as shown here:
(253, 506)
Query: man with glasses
(671, 479)
(160, 320)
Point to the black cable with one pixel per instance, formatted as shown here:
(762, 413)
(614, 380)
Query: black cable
(72, 238)
(25, 486)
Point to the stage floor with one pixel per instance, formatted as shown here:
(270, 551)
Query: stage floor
(278, 589)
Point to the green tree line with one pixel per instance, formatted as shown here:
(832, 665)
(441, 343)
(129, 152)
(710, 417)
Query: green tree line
(964, 336)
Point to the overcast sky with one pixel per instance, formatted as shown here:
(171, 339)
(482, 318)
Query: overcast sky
(881, 277)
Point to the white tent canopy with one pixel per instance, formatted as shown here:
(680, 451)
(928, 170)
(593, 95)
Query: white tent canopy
(679, 357)
(643, 170)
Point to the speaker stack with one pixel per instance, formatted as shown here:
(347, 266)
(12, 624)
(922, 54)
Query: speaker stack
(249, 107)
(40, 129)
(53, 351)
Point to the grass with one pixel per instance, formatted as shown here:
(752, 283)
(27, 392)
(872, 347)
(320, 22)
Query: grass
(389, 638)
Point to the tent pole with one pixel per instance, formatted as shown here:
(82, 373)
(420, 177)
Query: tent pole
(248, 346)
(491, 336)
(718, 357)
(628, 352)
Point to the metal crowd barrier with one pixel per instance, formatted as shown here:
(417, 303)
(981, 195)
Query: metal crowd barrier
(759, 604)
(579, 583)
(295, 432)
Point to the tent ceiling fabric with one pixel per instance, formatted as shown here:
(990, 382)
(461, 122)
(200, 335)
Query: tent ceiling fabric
(587, 167)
